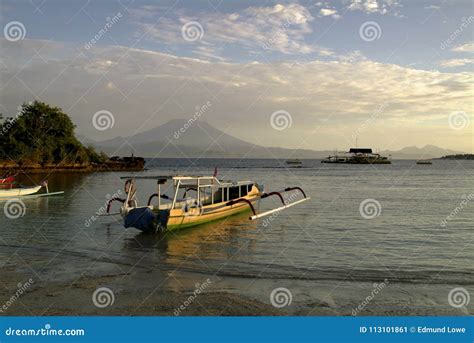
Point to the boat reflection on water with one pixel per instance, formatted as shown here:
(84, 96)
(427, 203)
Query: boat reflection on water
(219, 240)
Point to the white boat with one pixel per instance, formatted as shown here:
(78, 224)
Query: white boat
(16, 192)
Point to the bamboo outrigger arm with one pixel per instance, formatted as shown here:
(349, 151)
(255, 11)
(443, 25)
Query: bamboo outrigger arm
(236, 201)
(162, 196)
(266, 195)
(260, 215)
(285, 206)
(298, 188)
(109, 203)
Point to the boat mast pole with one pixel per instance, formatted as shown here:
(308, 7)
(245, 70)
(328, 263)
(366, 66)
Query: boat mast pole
(198, 191)
(159, 194)
(175, 194)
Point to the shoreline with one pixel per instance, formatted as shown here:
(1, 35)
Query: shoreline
(159, 293)
(76, 299)
(68, 168)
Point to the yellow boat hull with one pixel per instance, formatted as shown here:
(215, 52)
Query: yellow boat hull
(196, 216)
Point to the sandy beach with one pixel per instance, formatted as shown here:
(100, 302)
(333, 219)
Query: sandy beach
(138, 295)
(76, 298)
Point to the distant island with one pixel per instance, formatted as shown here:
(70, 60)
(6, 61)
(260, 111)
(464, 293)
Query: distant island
(458, 157)
(40, 138)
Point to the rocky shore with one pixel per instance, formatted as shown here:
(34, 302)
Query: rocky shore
(113, 164)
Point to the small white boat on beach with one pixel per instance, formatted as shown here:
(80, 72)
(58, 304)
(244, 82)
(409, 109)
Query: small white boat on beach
(14, 192)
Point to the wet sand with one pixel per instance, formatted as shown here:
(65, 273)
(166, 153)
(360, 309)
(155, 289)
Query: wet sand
(160, 293)
(76, 298)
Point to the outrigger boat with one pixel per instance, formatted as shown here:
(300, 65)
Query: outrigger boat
(214, 199)
(14, 192)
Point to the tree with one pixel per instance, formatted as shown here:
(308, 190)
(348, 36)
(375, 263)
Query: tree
(43, 134)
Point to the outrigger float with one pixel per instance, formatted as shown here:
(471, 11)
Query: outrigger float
(213, 199)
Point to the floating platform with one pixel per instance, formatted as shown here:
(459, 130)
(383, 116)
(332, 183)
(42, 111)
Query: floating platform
(358, 156)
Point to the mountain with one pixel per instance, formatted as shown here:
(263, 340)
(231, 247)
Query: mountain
(415, 153)
(179, 132)
(180, 139)
(177, 138)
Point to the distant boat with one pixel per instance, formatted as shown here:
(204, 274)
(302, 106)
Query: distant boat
(294, 162)
(358, 156)
(424, 162)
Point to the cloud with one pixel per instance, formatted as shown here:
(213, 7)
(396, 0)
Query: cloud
(325, 12)
(375, 6)
(144, 89)
(468, 47)
(279, 28)
(456, 62)
(208, 52)
(459, 62)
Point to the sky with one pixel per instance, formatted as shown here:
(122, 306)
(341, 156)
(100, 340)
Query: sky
(304, 74)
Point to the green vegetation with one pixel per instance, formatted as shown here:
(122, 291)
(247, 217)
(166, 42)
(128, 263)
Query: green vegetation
(43, 134)
(458, 157)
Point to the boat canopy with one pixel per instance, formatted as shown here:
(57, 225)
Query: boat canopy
(191, 180)
(360, 151)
